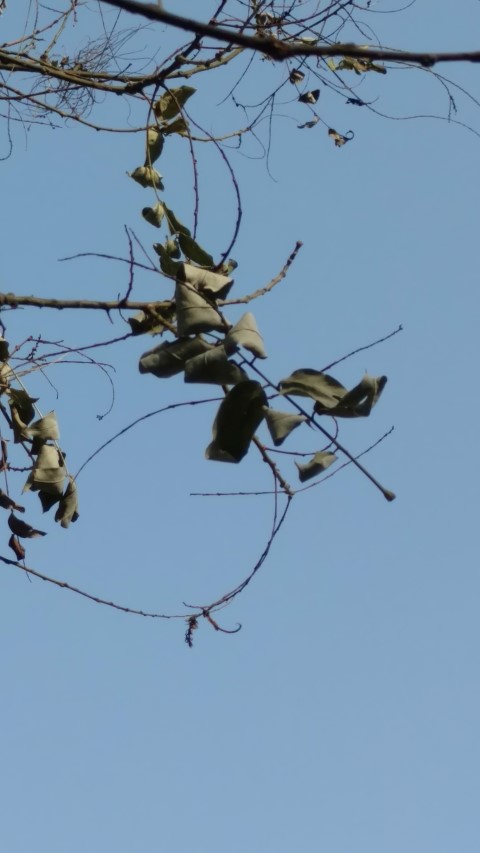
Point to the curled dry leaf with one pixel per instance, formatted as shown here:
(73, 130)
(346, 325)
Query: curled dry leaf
(48, 473)
(170, 104)
(338, 138)
(170, 358)
(310, 97)
(239, 415)
(281, 424)
(296, 76)
(245, 333)
(68, 507)
(147, 176)
(22, 529)
(214, 367)
(17, 547)
(319, 463)
(213, 284)
(194, 313)
(154, 145)
(6, 502)
(44, 428)
(154, 215)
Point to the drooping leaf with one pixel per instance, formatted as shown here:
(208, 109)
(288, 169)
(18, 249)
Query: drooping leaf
(331, 64)
(310, 97)
(281, 424)
(170, 104)
(44, 428)
(331, 397)
(245, 333)
(147, 176)
(239, 415)
(22, 529)
(309, 124)
(152, 319)
(296, 76)
(212, 284)
(168, 266)
(179, 126)
(48, 500)
(4, 354)
(23, 403)
(154, 215)
(170, 358)
(338, 138)
(48, 472)
(68, 507)
(6, 502)
(16, 547)
(194, 252)
(359, 402)
(194, 313)
(228, 267)
(154, 145)
(312, 383)
(174, 224)
(318, 463)
(214, 367)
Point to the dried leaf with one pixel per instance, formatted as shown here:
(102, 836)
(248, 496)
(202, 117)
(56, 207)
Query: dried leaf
(154, 215)
(194, 252)
(44, 428)
(48, 473)
(309, 124)
(338, 139)
(152, 319)
(359, 65)
(167, 264)
(310, 97)
(179, 126)
(68, 508)
(239, 415)
(147, 176)
(174, 224)
(23, 403)
(281, 424)
(296, 76)
(214, 367)
(170, 358)
(16, 547)
(212, 284)
(312, 383)
(319, 463)
(359, 402)
(4, 354)
(22, 529)
(6, 502)
(154, 145)
(245, 333)
(170, 104)
(194, 313)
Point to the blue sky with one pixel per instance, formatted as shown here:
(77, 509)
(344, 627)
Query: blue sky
(344, 715)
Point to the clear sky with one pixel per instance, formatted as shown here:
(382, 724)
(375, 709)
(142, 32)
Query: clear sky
(343, 717)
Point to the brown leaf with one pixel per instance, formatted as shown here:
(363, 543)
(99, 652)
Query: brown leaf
(7, 502)
(338, 138)
(16, 547)
(22, 529)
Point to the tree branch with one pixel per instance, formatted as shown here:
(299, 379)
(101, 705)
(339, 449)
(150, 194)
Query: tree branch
(280, 50)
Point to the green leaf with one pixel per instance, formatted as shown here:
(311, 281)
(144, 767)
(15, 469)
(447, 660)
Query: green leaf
(281, 424)
(154, 215)
(68, 507)
(147, 176)
(245, 333)
(174, 224)
(179, 126)
(194, 252)
(319, 463)
(239, 415)
(167, 265)
(154, 145)
(214, 367)
(170, 104)
(170, 358)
